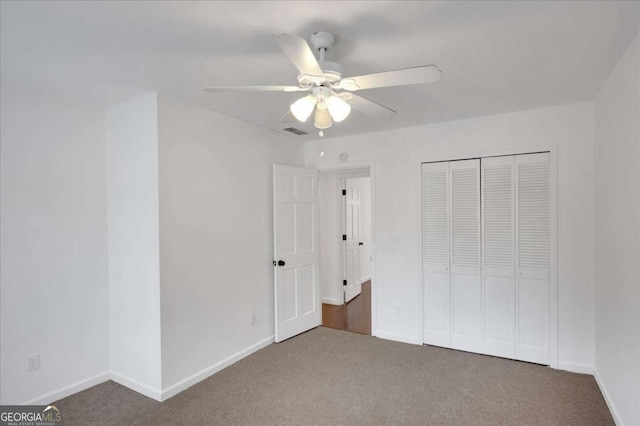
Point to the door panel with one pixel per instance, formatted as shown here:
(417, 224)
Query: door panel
(466, 279)
(532, 257)
(288, 296)
(467, 312)
(499, 321)
(533, 308)
(498, 248)
(352, 243)
(297, 292)
(436, 292)
(437, 301)
(308, 297)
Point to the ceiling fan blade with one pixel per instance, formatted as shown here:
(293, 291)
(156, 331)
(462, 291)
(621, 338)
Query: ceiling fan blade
(368, 107)
(254, 89)
(415, 75)
(299, 52)
(288, 118)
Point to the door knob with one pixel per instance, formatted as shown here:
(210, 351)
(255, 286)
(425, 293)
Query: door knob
(280, 263)
(361, 243)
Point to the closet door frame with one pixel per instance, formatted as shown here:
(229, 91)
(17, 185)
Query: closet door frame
(553, 237)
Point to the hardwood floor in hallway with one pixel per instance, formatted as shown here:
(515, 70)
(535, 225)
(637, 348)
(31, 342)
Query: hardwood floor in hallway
(354, 316)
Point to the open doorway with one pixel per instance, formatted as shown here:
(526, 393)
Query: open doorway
(346, 249)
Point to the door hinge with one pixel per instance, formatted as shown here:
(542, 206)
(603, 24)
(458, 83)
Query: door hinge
(344, 283)
(344, 192)
(344, 237)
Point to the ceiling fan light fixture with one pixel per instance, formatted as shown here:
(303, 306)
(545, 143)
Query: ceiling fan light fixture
(322, 119)
(303, 107)
(338, 108)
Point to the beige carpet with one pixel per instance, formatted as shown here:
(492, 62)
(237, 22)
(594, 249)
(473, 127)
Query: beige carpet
(334, 377)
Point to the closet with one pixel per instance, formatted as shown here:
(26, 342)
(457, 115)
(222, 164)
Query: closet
(486, 255)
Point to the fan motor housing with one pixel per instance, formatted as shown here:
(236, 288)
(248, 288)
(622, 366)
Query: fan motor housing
(332, 72)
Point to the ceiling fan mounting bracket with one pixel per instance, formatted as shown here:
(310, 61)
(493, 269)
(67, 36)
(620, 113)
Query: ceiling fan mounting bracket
(322, 40)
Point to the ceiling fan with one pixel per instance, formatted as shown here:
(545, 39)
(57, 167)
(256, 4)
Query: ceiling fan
(329, 94)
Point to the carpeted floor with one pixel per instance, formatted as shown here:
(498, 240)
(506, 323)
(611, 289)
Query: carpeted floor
(334, 377)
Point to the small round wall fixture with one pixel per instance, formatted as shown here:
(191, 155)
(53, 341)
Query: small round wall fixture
(344, 156)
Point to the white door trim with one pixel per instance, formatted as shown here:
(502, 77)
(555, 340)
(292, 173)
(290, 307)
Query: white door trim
(553, 273)
(346, 167)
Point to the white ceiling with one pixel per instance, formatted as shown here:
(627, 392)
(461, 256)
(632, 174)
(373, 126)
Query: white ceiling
(497, 56)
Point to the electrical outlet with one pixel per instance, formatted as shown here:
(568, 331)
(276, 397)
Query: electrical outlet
(33, 362)
(252, 319)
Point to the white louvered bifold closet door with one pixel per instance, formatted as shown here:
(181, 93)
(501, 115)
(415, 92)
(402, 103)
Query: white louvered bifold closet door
(466, 283)
(435, 252)
(486, 255)
(532, 257)
(498, 255)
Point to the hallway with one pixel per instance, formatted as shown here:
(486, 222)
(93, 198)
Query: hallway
(354, 316)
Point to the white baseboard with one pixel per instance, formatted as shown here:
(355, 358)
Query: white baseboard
(607, 399)
(576, 368)
(331, 301)
(211, 370)
(66, 391)
(398, 337)
(144, 389)
(367, 278)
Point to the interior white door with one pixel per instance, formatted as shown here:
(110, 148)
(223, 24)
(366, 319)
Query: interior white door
(352, 230)
(498, 268)
(298, 307)
(436, 293)
(532, 257)
(466, 281)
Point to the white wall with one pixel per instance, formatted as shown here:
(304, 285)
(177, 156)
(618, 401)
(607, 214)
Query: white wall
(53, 248)
(216, 237)
(617, 237)
(398, 154)
(134, 269)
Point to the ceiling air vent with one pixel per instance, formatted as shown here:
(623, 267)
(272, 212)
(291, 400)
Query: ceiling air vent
(295, 131)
